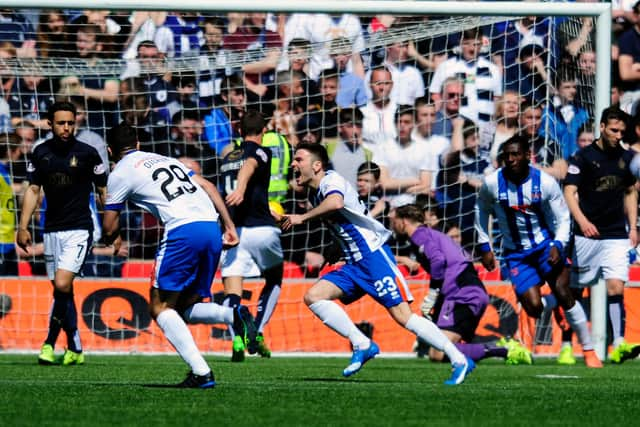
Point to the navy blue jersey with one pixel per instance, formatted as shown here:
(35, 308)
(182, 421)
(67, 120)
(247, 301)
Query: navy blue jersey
(67, 172)
(254, 210)
(602, 178)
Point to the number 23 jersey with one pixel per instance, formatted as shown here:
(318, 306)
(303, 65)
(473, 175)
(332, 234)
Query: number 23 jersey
(160, 185)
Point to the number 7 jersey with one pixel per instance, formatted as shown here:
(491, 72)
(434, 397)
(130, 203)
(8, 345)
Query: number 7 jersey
(160, 185)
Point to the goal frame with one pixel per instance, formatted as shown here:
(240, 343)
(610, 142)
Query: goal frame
(602, 11)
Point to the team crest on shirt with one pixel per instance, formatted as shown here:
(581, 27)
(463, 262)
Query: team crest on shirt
(573, 170)
(161, 95)
(98, 169)
(514, 272)
(622, 164)
(30, 167)
(73, 162)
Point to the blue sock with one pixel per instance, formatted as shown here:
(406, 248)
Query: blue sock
(57, 316)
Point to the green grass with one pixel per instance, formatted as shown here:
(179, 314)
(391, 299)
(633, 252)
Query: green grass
(127, 391)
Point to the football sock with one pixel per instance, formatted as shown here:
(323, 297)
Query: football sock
(56, 318)
(578, 321)
(70, 326)
(208, 313)
(337, 319)
(429, 332)
(549, 302)
(566, 335)
(480, 351)
(266, 305)
(180, 337)
(232, 301)
(616, 315)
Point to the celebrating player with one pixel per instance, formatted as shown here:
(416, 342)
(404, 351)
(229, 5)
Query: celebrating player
(189, 251)
(369, 269)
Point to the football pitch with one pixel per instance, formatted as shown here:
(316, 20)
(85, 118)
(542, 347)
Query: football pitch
(133, 391)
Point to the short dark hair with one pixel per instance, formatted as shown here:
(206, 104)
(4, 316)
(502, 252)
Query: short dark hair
(122, 137)
(411, 212)
(404, 110)
(329, 73)
(518, 139)
(252, 123)
(232, 82)
(185, 114)
(351, 115)
(61, 106)
(613, 113)
(369, 167)
(318, 152)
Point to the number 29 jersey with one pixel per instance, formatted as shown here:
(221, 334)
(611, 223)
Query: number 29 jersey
(160, 185)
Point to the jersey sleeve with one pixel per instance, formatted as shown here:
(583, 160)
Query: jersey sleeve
(35, 174)
(555, 209)
(117, 192)
(99, 173)
(260, 154)
(574, 172)
(483, 209)
(333, 184)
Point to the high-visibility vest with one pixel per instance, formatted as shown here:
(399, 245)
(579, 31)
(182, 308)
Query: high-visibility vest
(280, 162)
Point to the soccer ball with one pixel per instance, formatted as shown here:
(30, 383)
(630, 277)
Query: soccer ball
(5, 304)
(634, 166)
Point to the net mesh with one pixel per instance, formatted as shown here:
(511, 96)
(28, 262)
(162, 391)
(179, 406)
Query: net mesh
(184, 79)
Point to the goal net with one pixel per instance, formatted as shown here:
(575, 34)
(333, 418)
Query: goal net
(464, 84)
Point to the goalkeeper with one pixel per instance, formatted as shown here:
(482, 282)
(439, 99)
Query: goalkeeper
(457, 297)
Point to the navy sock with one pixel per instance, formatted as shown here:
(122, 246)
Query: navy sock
(57, 316)
(70, 326)
(231, 300)
(266, 304)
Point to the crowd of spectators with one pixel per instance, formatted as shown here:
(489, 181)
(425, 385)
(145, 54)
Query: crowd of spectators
(413, 118)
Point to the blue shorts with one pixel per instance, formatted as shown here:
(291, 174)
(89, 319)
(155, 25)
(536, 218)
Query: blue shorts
(531, 267)
(377, 275)
(188, 257)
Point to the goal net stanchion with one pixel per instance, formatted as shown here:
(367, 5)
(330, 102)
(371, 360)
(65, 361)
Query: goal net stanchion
(454, 17)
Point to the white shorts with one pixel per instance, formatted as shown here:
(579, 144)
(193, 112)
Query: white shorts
(259, 250)
(65, 250)
(594, 259)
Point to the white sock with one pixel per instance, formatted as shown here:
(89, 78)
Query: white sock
(429, 332)
(268, 306)
(549, 302)
(180, 337)
(615, 316)
(208, 313)
(337, 319)
(578, 321)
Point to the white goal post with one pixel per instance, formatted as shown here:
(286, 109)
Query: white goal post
(601, 11)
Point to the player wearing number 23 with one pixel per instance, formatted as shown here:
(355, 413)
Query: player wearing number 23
(370, 268)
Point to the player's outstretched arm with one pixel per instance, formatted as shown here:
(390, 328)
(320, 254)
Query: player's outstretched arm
(332, 203)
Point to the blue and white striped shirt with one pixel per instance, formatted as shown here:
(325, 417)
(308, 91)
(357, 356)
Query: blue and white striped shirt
(357, 233)
(528, 213)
